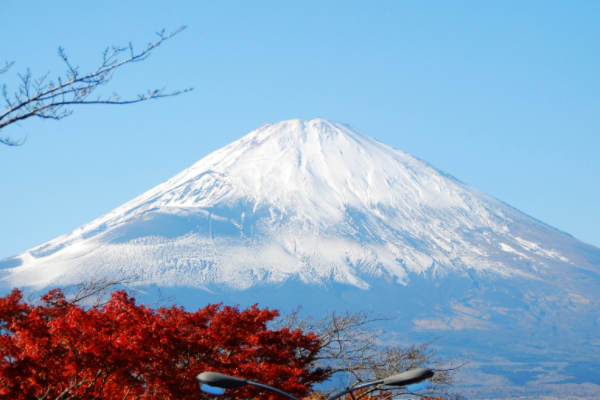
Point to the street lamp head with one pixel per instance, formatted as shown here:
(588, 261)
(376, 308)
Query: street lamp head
(409, 377)
(222, 381)
(215, 383)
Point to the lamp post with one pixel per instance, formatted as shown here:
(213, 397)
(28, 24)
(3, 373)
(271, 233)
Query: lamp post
(215, 383)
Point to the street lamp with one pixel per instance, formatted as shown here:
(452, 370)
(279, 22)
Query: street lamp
(215, 383)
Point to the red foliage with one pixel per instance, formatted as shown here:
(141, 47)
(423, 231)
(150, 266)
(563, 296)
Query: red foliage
(126, 351)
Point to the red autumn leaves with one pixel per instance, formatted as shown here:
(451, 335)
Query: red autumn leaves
(125, 351)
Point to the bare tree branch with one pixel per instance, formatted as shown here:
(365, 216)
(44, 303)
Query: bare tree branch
(64, 393)
(6, 67)
(353, 353)
(45, 99)
(97, 291)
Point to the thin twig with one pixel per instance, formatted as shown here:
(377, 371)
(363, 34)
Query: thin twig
(45, 100)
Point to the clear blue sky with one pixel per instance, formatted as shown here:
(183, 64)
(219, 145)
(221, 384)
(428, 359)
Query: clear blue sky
(503, 95)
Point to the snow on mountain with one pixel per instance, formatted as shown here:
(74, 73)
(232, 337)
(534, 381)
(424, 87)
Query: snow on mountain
(315, 213)
(313, 201)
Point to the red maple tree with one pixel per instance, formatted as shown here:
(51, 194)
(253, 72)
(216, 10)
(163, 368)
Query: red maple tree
(122, 350)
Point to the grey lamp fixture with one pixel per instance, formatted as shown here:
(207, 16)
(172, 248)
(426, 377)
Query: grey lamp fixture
(218, 381)
(222, 381)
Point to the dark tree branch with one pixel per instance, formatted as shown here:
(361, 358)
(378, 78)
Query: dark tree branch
(45, 99)
(352, 351)
(6, 67)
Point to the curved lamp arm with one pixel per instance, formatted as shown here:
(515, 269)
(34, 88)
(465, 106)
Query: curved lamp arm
(405, 378)
(273, 389)
(364, 385)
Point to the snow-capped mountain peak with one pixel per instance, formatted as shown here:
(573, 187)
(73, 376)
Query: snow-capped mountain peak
(311, 200)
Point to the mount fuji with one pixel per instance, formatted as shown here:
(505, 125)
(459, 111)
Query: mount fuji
(317, 213)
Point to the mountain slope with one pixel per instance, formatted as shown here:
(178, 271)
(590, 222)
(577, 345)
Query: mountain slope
(311, 200)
